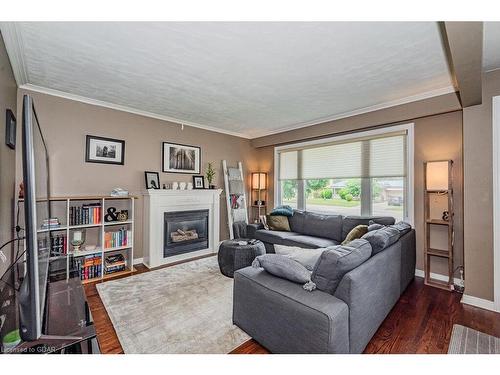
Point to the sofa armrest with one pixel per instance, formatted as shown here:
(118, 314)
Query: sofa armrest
(252, 228)
(370, 291)
(285, 318)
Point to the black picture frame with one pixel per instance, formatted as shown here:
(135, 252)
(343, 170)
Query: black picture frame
(147, 176)
(196, 180)
(94, 158)
(10, 129)
(165, 169)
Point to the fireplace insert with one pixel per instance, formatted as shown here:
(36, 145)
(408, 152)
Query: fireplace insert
(185, 231)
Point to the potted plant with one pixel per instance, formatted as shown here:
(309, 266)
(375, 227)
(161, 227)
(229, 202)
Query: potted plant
(210, 175)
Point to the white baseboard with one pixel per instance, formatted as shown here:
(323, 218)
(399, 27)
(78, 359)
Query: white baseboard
(436, 276)
(469, 300)
(479, 302)
(138, 261)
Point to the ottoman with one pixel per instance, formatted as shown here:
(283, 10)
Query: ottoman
(233, 256)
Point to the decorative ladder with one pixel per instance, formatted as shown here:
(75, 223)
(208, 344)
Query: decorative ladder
(236, 200)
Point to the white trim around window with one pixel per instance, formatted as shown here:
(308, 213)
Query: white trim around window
(352, 136)
(496, 202)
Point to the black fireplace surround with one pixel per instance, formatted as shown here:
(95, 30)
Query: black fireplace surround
(184, 232)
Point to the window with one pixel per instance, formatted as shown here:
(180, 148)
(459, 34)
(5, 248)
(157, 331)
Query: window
(360, 174)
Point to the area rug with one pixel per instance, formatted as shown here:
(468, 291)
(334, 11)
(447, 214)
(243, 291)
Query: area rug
(466, 340)
(185, 308)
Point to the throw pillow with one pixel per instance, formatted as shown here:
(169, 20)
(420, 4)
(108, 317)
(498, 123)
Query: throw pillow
(374, 226)
(286, 268)
(282, 211)
(356, 232)
(381, 238)
(306, 257)
(338, 260)
(278, 223)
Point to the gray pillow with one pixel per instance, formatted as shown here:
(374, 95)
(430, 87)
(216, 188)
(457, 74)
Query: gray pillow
(402, 227)
(375, 226)
(286, 268)
(381, 238)
(336, 261)
(306, 257)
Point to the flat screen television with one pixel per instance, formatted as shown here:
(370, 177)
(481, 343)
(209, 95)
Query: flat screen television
(36, 209)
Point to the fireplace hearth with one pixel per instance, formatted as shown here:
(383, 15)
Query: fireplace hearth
(185, 231)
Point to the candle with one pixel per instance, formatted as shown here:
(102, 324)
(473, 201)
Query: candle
(77, 236)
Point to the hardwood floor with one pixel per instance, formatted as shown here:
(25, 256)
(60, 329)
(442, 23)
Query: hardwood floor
(420, 322)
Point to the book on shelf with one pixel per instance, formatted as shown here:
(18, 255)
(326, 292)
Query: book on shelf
(89, 267)
(86, 214)
(119, 238)
(51, 223)
(57, 243)
(114, 263)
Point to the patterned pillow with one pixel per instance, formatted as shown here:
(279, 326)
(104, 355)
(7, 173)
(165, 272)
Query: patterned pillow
(286, 268)
(278, 223)
(356, 232)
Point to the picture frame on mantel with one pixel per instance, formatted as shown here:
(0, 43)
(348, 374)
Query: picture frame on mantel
(152, 180)
(104, 150)
(179, 158)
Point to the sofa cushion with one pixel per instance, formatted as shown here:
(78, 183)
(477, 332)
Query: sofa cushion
(336, 261)
(274, 237)
(286, 268)
(278, 223)
(306, 257)
(320, 225)
(309, 242)
(357, 232)
(381, 238)
(350, 222)
(297, 221)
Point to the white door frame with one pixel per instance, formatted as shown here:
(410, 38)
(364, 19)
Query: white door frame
(496, 200)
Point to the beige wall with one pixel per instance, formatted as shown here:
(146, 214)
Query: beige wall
(436, 138)
(478, 184)
(8, 91)
(65, 124)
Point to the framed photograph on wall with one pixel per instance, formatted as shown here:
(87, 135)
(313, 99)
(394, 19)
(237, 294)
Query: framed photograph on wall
(10, 129)
(152, 180)
(198, 182)
(179, 158)
(104, 150)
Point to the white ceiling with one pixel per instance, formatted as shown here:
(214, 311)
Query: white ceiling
(491, 46)
(248, 79)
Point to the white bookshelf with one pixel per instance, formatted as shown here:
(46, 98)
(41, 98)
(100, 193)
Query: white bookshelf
(127, 202)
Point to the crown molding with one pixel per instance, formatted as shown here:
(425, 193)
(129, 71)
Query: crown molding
(360, 111)
(123, 108)
(15, 46)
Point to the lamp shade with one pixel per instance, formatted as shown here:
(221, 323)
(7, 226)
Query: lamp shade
(437, 174)
(259, 181)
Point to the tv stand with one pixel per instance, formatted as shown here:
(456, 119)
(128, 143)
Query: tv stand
(68, 323)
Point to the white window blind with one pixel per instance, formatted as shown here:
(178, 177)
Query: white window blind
(388, 156)
(362, 158)
(334, 161)
(288, 165)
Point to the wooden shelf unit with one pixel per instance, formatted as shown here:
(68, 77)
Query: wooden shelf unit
(430, 252)
(103, 227)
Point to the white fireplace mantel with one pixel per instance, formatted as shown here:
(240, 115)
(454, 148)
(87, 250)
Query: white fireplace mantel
(157, 202)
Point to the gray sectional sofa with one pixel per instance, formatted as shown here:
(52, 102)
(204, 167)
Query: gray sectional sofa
(285, 318)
